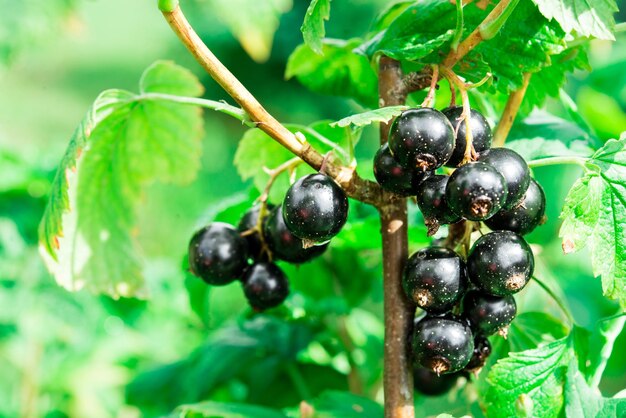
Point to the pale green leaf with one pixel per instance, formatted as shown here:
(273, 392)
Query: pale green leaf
(313, 30)
(125, 143)
(335, 404)
(211, 409)
(339, 72)
(529, 382)
(595, 214)
(384, 114)
(585, 17)
(584, 401)
(252, 22)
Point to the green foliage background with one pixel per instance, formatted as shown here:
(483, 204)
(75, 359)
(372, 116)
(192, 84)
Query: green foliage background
(76, 354)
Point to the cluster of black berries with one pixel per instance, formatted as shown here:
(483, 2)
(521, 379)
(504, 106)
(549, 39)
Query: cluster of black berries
(313, 211)
(465, 300)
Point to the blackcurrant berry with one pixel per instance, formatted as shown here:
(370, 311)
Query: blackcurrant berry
(218, 254)
(481, 133)
(265, 285)
(283, 244)
(482, 350)
(476, 191)
(489, 314)
(524, 217)
(442, 345)
(247, 223)
(432, 202)
(315, 208)
(514, 170)
(392, 176)
(421, 138)
(431, 384)
(500, 263)
(434, 278)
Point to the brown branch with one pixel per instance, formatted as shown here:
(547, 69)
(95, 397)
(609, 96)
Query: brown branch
(399, 312)
(509, 113)
(356, 187)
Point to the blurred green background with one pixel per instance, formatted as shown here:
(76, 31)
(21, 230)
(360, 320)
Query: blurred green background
(76, 354)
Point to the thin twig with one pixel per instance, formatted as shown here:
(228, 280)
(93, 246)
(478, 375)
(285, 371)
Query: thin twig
(355, 187)
(509, 113)
(556, 299)
(470, 153)
(433, 86)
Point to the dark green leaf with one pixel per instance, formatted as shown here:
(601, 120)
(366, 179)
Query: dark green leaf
(339, 72)
(529, 382)
(584, 17)
(313, 26)
(420, 30)
(224, 410)
(124, 143)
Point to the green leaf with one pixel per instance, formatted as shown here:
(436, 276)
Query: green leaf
(384, 114)
(529, 382)
(253, 22)
(211, 409)
(531, 329)
(602, 340)
(124, 143)
(585, 17)
(313, 26)
(334, 404)
(584, 401)
(420, 30)
(543, 135)
(595, 214)
(339, 72)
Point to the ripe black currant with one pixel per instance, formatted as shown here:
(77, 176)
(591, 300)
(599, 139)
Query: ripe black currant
(265, 285)
(315, 208)
(421, 139)
(476, 191)
(482, 350)
(430, 384)
(434, 278)
(283, 244)
(500, 263)
(218, 254)
(489, 314)
(443, 345)
(514, 170)
(392, 176)
(481, 133)
(524, 217)
(248, 222)
(431, 200)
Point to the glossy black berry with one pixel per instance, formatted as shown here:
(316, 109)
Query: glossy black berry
(218, 254)
(476, 191)
(392, 176)
(265, 285)
(429, 383)
(247, 223)
(514, 170)
(489, 314)
(421, 138)
(500, 263)
(524, 217)
(442, 345)
(430, 196)
(481, 133)
(315, 208)
(283, 244)
(482, 350)
(434, 278)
